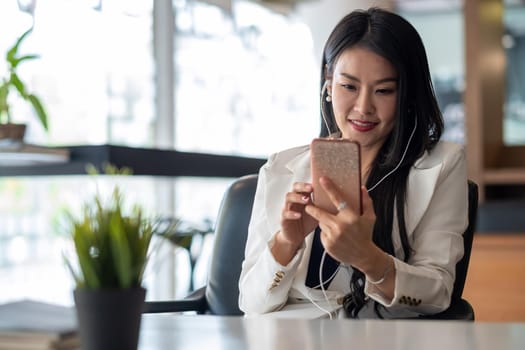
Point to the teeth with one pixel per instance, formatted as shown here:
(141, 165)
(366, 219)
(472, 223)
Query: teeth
(361, 123)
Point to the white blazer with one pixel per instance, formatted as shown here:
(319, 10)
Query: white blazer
(436, 215)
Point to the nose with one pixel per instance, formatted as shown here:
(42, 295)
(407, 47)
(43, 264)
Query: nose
(364, 103)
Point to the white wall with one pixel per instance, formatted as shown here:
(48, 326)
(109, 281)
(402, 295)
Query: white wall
(322, 16)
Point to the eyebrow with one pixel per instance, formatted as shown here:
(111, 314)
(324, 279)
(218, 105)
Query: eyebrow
(379, 81)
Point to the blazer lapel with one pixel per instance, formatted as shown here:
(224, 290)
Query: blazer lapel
(300, 167)
(421, 185)
(280, 179)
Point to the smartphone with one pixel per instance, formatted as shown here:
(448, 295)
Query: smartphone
(340, 161)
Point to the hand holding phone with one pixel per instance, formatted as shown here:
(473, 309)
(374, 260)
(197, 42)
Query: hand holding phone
(339, 160)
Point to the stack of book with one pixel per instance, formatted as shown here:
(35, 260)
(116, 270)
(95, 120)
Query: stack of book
(33, 325)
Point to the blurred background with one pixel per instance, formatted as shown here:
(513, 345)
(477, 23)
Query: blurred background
(232, 77)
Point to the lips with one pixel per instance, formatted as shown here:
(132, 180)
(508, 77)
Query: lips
(361, 125)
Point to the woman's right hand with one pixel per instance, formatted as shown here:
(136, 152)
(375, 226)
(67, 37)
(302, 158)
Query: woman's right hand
(296, 224)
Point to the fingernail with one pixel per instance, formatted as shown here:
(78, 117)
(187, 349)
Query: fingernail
(305, 198)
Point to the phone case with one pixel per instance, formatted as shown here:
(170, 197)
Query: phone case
(339, 160)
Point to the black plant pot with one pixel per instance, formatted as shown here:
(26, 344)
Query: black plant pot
(109, 319)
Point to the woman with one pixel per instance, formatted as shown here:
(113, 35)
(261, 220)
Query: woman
(398, 258)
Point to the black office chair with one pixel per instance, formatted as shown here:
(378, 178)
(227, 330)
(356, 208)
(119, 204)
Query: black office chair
(220, 295)
(460, 309)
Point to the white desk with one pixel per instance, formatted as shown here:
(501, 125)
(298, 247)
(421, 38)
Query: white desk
(231, 333)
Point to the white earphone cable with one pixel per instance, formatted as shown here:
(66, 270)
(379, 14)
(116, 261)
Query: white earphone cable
(321, 284)
(321, 280)
(401, 161)
(323, 113)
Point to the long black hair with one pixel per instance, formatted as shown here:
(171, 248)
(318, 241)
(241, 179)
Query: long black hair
(395, 39)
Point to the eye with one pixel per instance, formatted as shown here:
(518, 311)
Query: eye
(386, 91)
(350, 87)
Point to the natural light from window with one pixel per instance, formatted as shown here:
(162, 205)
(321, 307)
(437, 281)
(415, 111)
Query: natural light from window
(246, 83)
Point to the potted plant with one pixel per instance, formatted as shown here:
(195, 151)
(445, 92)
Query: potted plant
(111, 250)
(11, 132)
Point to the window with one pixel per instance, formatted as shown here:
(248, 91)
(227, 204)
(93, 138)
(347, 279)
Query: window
(95, 77)
(95, 72)
(514, 43)
(244, 80)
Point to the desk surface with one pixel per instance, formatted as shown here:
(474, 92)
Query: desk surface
(232, 333)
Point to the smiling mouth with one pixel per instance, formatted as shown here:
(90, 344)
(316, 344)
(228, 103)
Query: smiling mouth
(361, 125)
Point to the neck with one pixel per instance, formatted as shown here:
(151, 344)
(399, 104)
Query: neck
(368, 157)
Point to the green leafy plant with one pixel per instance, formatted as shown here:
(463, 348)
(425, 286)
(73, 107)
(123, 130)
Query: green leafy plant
(180, 232)
(111, 246)
(13, 82)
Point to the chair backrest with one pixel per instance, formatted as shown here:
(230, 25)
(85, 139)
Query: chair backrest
(468, 236)
(222, 290)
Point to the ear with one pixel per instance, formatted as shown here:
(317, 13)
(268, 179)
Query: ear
(328, 83)
(327, 74)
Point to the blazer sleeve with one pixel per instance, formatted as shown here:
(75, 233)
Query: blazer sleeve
(424, 284)
(264, 283)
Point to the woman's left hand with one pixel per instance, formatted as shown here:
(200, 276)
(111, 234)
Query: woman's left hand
(347, 235)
